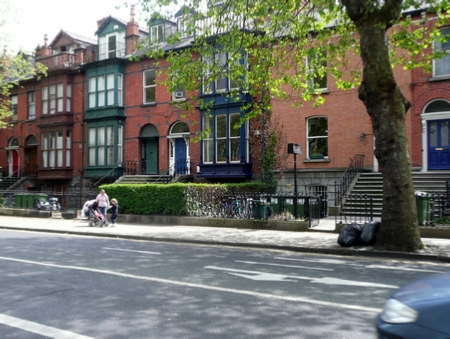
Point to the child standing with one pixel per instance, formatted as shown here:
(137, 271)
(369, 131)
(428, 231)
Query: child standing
(114, 211)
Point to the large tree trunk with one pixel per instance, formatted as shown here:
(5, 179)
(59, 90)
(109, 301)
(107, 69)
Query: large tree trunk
(387, 108)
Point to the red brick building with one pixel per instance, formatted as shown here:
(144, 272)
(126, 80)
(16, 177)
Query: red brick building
(99, 115)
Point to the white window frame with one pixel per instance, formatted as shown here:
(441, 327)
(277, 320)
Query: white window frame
(101, 95)
(119, 144)
(157, 33)
(208, 141)
(69, 97)
(104, 49)
(68, 148)
(309, 138)
(14, 104)
(221, 139)
(59, 149)
(312, 82)
(52, 98)
(109, 145)
(59, 97)
(44, 149)
(222, 67)
(182, 24)
(445, 60)
(232, 138)
(110, 89)
(51, 149)
(101, 141)
(92, 92)
(120, 89)
(148, 86)
(44, 99)
(31, 97)
(92, 146)
(207, 85)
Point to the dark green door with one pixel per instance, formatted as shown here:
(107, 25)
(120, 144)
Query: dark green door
(151, 156)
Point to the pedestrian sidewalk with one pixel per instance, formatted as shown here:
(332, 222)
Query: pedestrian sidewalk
(309, 242)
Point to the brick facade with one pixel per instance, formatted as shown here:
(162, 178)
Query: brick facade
(349, 126)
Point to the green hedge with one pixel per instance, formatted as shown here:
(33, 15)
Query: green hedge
(167, 199)
(149, 198)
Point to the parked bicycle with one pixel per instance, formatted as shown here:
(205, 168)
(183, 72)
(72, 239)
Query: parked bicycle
(235, 208)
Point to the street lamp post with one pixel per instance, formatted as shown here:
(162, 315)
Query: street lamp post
(295, 149)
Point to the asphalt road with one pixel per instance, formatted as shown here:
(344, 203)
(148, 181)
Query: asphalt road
(62, 286)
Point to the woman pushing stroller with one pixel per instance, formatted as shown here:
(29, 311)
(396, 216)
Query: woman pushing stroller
(95, 217)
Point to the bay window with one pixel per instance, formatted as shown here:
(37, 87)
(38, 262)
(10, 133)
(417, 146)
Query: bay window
(222, 144)
(102, 90)
(105, 145)
(55, 97)
(56, 149)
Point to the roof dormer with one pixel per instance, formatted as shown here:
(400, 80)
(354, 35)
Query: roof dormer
(111, 38)
(160, 29)
(184, 21)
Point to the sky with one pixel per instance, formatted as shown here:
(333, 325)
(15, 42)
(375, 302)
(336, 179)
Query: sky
(23, 23)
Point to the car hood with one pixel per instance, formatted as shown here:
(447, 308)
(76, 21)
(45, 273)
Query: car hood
(431, 298)
(430, 289)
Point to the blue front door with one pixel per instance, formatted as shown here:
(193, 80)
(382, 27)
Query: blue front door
(438, 145)
(180, 156)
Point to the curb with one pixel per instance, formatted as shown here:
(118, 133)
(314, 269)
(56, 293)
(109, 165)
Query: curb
(354, 251)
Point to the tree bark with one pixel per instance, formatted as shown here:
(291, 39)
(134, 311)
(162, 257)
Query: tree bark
(387, 108)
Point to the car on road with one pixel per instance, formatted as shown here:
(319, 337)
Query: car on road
(419, 309)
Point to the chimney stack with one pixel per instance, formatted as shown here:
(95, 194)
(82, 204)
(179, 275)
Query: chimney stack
(132, 33)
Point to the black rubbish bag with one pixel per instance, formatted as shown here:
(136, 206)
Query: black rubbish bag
(369, 232)
(350, 235)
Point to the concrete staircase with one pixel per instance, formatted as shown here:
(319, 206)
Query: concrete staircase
(372, 185)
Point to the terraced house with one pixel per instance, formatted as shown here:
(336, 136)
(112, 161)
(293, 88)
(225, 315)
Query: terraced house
(103, 115)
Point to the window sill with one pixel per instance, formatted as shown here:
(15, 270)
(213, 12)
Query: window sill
(149, 104)
(439, 78)
(325, 90)
(316, 160)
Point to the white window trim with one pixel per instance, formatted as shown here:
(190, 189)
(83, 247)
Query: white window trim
(144, 87)
(447, 57)
(155, 37)
(230, 138)
(312, 83)
(315, 137)
(103, 48)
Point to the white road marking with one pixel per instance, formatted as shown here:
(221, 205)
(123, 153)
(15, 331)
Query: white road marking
(321, 261)
(122, 250)
(402, 269)
(43, 330)
(280, 265)
(255, 275)
(206, 287)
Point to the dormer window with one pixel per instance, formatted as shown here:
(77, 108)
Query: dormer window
(183, 26)
(157, 33)
(112, 45)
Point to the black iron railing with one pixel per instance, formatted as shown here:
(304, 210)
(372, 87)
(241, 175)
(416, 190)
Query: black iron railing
(358, 209)
(131, 167)
(356, 166)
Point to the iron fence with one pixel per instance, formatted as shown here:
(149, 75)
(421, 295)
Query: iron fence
(355, 208)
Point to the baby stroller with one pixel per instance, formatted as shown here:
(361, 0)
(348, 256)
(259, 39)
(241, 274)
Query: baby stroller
(96, 218)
